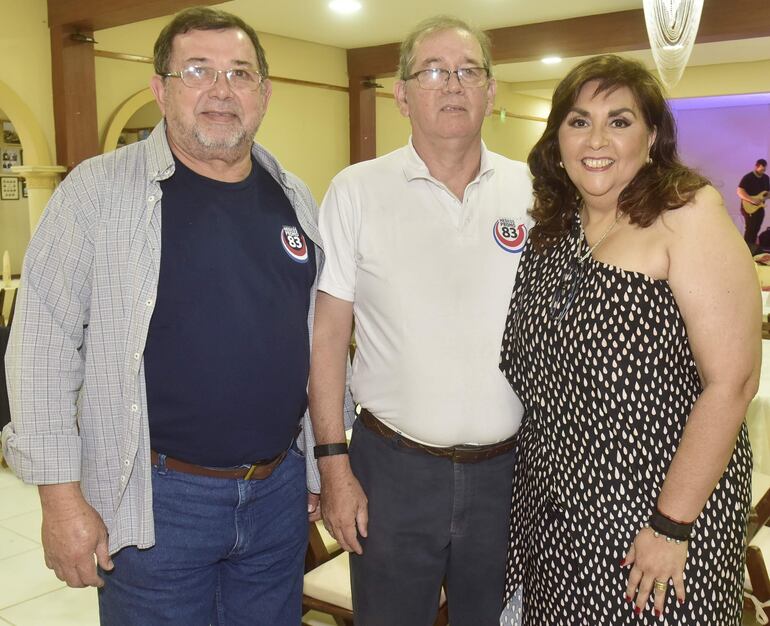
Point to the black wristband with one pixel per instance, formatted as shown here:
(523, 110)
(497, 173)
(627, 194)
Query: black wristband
(667, 527)
(330, 449)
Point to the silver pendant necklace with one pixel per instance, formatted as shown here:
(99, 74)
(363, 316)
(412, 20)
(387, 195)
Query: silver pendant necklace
(583, 256)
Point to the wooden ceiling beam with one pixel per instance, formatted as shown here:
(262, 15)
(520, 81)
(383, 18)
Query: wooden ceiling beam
(73, 71)
(100, 14)
(622, 31)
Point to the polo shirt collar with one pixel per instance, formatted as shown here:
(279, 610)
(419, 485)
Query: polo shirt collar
(414, 166)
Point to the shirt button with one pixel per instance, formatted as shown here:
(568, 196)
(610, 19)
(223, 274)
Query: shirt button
(136, 355)
(126, 462)
(134, 407)
(149, 302)
(151, 199)
(123, 478)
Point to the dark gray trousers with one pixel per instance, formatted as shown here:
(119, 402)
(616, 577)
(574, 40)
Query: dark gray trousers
(429, 520)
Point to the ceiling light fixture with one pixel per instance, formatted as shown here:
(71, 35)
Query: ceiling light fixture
(671, 28)
(345, 6)
(550, 60)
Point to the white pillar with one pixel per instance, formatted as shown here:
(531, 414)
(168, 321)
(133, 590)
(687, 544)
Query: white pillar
(41, 181)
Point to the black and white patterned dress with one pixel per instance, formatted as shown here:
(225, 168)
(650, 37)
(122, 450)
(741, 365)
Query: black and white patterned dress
(608, 390)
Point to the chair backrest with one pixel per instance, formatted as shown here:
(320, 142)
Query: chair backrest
(320, 547)
(5, 409)
(14, 294)
(757, 536)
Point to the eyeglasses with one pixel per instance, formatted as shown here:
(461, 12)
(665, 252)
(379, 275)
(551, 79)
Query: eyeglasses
(438, 77)
(239, 78)
(566, 289)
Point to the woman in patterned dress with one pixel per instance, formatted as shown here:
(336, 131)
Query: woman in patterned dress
(633, 340)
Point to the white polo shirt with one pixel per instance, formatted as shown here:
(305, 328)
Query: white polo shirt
(430, 278)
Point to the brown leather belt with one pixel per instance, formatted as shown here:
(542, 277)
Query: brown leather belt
(458, 454)
(258, 471)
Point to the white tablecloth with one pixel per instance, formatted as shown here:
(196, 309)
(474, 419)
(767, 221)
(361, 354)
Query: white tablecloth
(758, 416)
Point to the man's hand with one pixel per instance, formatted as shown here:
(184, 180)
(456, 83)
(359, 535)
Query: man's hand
(73, 532)
(313, 507)
(344, 502)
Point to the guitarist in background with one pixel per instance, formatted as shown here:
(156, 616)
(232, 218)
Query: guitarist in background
(752, 191)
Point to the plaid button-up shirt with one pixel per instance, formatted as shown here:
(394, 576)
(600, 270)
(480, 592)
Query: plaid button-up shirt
(74, 362)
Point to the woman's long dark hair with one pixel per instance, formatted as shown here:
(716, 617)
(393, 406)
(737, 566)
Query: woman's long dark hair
(663, 185)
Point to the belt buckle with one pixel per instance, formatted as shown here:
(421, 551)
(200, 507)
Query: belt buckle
(250, 473)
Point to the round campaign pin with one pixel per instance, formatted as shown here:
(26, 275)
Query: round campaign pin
(510, 236)
(294, 243)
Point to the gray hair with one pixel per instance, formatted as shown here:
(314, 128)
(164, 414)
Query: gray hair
(437, 24)
(203, 18)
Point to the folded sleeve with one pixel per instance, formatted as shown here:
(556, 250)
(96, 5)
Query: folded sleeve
(339, 223)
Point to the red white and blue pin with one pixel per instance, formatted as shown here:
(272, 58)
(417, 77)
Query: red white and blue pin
(294, 243)
(509, 235)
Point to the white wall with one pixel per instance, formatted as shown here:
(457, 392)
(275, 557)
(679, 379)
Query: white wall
(723, 144)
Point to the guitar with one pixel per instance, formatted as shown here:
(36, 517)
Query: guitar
(753, 208)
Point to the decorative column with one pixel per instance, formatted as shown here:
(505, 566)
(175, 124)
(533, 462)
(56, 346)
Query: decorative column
(41, 181)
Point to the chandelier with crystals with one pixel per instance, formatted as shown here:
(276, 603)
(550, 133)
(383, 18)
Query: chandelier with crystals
(671, 27)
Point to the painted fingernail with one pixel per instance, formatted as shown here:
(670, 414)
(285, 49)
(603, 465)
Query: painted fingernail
(622, 562)
(637, 609)
(628, 598)
(657, 613)
(681, 600)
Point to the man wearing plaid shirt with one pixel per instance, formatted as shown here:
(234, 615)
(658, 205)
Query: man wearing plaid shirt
(158, 376)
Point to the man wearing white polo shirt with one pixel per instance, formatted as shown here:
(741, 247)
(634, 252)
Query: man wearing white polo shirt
(422, 249)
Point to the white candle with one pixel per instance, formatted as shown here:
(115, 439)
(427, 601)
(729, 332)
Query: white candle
(6, 268)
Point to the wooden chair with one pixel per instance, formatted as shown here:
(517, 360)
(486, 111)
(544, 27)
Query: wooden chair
(13, 307)
(4, 295)
(757, 585)
(327, 586)
(321, 547)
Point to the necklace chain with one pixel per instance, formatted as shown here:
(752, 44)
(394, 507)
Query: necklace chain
(582, 257)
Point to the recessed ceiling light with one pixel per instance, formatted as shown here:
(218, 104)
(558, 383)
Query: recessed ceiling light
(550, 60)
(345, 6)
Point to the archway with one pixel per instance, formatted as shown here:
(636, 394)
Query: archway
(121, 117)
(36, 149)
(23, 204)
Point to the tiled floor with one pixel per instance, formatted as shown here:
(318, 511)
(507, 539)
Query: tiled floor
(30, 594)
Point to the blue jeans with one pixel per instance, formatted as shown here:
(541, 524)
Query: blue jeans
(227, 552)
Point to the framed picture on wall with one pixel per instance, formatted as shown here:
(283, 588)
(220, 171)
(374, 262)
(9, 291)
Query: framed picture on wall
(9, 157)
(9, 188)
(9, 133)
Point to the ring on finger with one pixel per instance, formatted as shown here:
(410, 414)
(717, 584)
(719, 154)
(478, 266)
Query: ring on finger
(660, 585)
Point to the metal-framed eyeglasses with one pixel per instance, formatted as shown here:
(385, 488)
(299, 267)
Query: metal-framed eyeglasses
(438, 77)
(199, 77)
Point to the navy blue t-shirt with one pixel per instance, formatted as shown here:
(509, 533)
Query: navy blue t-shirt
(227, 354)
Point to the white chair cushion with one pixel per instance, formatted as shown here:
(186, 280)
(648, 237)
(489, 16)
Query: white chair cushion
(332, 545)
(330, 582)
(760, 483)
